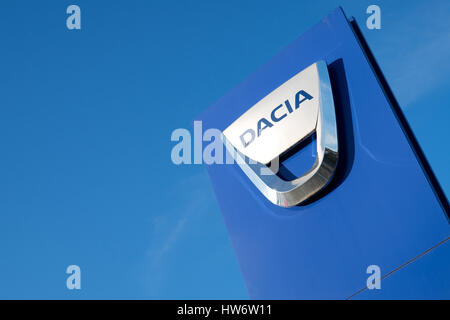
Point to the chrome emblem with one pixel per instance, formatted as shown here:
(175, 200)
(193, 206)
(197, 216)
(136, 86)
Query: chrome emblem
(301, 106)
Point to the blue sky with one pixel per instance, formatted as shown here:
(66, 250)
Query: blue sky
(86, 118)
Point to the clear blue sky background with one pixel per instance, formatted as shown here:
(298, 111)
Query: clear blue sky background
(86, 118)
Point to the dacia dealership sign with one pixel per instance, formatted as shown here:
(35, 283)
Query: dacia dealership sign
(353, 188)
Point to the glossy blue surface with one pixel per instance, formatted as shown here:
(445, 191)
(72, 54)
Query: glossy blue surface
(425, 278)
(380, 208)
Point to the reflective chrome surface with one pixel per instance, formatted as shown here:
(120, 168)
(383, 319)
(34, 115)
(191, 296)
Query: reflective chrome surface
(292, 126)
(318, 115)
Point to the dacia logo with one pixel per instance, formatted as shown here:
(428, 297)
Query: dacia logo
(277, 114)
(306, 112)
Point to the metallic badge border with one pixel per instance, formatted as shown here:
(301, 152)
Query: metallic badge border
(290, 193)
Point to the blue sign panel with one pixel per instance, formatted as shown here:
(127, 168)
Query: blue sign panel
(382, 208)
